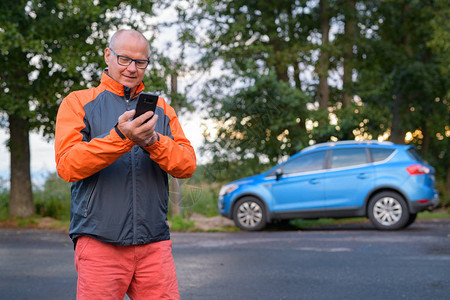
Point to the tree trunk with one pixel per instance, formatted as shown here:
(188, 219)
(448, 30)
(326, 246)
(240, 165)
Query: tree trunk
(447, 184)
(175, 186)
(297, 81)
(426, 139)
(397, 132)
(322, 68)
(175, 196)
(21, 198)
(349, 32)
(282, 72)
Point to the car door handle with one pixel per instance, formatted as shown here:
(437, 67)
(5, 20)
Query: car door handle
(362, 176)
(314, 181)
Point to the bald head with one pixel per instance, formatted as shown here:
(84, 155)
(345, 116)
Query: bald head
(128, 44)
(124, 34)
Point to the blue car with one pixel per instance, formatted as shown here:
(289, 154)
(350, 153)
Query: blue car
(385, 182)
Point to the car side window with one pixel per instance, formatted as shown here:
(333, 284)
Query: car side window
(305, 163)
(341, 158)
(380, 154)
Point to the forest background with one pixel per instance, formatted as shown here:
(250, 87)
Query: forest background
(270, 77)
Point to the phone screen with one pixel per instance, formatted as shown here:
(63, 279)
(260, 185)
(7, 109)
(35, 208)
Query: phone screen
(145, 102)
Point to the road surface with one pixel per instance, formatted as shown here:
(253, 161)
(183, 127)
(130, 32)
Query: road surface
(337, 262)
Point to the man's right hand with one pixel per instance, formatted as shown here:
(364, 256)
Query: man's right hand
(141, 132)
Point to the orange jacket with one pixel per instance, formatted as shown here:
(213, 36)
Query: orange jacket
(117, 184)
(78, 158)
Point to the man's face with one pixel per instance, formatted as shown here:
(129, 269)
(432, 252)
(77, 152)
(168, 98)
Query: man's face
(130, 46)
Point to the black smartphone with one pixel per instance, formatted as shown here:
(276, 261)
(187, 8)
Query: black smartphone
(145, 102)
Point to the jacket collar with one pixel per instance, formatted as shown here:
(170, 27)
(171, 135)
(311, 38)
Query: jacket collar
(117, 88)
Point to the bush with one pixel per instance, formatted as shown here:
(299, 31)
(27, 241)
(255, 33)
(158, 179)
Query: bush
(4, 203)
(200, 198)
(53, 200)
(444, 198)
(177, 223)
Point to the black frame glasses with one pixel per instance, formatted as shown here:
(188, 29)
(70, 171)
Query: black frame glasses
(126, 61)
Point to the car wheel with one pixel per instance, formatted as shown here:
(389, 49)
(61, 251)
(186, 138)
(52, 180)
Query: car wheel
(388, 211)
(249, 214)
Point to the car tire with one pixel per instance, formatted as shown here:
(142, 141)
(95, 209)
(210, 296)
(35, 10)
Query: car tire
(412, 218)
(388, 211)
(249, 214)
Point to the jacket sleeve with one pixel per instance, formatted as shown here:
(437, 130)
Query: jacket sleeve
(175, 156)
(75, 157)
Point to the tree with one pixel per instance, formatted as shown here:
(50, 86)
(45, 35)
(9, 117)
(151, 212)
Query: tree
(324, 57)
(49, 48)
(260, 121)
(264, 45)
(403, 66)
(350, 17)
(390, 56)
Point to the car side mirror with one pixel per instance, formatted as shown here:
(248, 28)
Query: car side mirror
(278, 173)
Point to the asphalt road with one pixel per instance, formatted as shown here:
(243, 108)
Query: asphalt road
(336, 262)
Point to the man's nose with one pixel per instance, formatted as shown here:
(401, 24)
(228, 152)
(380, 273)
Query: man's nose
(132, 67)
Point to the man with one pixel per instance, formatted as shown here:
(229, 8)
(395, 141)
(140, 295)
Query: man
(119, 166)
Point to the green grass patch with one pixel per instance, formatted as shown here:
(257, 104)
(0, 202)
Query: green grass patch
(435, 214)
(305, 223)
(178, 223)
(225, 229)
(26, 222)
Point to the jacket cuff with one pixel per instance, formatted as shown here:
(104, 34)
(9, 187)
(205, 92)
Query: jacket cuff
(116, 133)
(155, 145)
(119, 132)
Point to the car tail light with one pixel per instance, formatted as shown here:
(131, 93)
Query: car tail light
(418, 169)
(423, 201)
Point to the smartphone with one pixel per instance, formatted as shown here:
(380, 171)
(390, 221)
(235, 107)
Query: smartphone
(145, 102)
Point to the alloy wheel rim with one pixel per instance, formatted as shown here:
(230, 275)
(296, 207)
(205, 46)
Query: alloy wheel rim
(387, 211)
(249, 214)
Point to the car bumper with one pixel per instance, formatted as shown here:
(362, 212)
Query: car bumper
(425, 204)
(223, 211)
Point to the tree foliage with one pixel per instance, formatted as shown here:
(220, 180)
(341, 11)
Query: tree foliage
(386, 64)
(49, 48)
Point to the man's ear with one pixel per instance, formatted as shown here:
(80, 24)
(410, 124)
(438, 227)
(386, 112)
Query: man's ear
(107, 55)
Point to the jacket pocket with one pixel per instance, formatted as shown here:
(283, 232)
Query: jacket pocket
(88, 202)
(83, 192)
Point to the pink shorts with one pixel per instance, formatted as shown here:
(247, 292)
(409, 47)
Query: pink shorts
(107, 271)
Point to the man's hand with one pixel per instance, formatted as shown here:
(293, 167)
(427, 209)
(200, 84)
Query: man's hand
(141, 132)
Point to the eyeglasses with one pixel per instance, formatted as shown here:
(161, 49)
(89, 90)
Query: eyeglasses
(126, 61)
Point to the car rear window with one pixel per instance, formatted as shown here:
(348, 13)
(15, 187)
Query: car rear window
(341, 158)
(413, 153)
(380, 154)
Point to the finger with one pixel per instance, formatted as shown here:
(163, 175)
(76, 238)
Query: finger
(126, 116)
(142, 118)
(151, 124)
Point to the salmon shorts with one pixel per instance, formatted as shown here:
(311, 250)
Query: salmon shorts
(107, 271)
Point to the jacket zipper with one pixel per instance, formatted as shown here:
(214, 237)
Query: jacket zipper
(133, 178)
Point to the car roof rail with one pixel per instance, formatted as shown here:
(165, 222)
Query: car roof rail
(349, 142)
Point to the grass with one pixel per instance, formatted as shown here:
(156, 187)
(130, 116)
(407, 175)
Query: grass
(178, 223)
(305, 223)
(442, 213)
